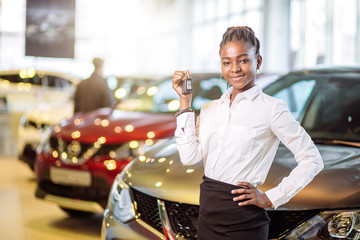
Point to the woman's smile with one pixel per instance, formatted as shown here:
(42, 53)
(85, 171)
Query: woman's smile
(237, 77)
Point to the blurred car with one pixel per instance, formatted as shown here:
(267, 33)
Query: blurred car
(156, 197)
(125, 86)
(78, 159)
(23, 89)
(34, 122)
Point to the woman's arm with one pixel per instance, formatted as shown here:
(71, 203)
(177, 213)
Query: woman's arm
(187, 142)
(186, 131)
(306, 154)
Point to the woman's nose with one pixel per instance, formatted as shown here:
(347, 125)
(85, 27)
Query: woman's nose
(235, 67)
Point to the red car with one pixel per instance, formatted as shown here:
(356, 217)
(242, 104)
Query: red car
(78, 159)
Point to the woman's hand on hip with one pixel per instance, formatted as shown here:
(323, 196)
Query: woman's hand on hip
(250, 195)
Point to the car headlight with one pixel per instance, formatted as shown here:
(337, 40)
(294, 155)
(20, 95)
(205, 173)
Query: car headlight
(339, 224)
(120, 203)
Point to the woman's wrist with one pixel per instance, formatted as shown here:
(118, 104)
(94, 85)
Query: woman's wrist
(185, 102)
(189, 109)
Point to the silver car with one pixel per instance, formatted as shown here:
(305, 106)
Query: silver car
(156, 197)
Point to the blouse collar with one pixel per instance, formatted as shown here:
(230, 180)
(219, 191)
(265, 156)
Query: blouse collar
(250, 94)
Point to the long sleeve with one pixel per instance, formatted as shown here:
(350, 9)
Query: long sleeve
(306, 154)
(187, 140)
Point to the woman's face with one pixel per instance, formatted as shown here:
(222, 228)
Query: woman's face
(239, 64)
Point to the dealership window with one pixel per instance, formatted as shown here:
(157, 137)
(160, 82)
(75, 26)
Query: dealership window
(324, 32)
(136, 36)
(210, 20)
(344, 32)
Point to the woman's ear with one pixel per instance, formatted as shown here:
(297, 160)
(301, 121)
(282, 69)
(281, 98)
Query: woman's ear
(259, 61)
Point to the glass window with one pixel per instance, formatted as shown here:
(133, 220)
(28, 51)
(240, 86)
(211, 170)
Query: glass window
(236, 6)
(56, 82)
(209, 9)
(323, 32)
(254, 20)
(344, 44)
(11, 78)
(296, 26)
(253, 4)
(15, 78)
(210, 89)
(315, 27)
(235, 20)
(222, 8)
(163, 97)
(198, 15)
(334, 111)
(204, 47)
(326, 105)
(296, 95)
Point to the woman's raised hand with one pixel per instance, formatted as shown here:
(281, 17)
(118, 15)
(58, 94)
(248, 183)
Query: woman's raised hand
(177, 80)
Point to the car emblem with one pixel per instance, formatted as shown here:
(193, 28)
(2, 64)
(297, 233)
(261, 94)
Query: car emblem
(73, 149)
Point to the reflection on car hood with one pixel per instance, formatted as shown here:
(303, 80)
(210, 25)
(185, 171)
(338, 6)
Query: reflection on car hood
(114, 126)
(162, 175)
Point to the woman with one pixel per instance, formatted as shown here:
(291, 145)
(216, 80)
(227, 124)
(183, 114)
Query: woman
(237, 137)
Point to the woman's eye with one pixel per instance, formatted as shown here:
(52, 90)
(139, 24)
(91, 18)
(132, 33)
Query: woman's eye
(244, 61)
(226, 63)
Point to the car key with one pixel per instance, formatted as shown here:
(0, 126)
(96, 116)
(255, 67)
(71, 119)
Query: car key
(187, 85)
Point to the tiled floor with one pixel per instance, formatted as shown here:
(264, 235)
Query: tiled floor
(22, 216)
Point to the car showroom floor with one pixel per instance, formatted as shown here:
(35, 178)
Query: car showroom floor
(22, 216)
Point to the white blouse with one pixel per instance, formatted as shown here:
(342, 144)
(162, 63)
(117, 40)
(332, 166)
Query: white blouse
(239, 142)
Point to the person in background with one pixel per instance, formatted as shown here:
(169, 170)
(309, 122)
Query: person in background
(237, 137)
(93, 93)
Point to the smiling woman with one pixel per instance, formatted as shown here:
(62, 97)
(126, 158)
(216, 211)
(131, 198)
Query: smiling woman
(239, 151)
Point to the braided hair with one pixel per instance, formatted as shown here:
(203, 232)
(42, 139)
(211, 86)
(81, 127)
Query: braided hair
(241, 33)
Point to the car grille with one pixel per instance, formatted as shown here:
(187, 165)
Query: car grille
(183, 217)
(147, 209)
(64, 146)
(82, 149)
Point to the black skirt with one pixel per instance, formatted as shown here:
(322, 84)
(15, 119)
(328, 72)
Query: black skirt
(220, 218)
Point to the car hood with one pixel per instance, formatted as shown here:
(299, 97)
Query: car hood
(161, 174)
(116, 126)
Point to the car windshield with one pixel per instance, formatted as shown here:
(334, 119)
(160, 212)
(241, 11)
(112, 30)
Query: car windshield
(161, 98)
(44, 80)
(326, 105)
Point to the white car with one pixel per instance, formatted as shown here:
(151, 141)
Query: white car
(34, 123)
(21, 90)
